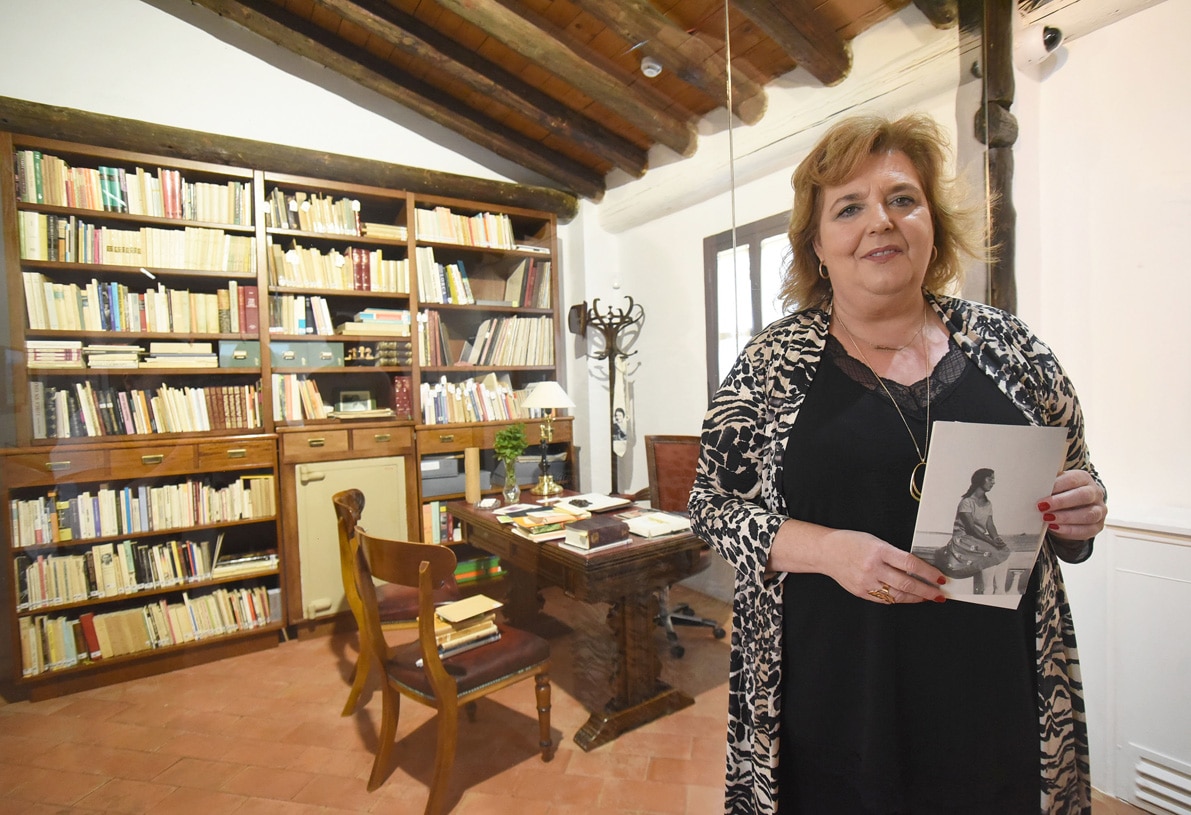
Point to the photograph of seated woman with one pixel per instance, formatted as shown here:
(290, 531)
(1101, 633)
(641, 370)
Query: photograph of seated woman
(976, 548)
(853, 687)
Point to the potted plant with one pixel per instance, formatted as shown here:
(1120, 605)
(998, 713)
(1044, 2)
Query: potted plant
(509, 445)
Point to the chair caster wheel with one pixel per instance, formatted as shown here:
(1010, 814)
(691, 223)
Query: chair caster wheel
(677, 651)
(718, 633)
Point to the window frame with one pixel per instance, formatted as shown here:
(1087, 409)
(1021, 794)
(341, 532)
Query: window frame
(750, 235)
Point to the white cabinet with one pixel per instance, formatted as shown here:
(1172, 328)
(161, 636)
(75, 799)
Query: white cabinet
(382, 480)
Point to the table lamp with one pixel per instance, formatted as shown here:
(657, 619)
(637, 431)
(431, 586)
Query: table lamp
(548, 397)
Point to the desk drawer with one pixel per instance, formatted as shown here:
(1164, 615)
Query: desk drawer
(382, 441)
(153, 461)
(53, 466)
(300, 445)
(447, 439)
(235, 454)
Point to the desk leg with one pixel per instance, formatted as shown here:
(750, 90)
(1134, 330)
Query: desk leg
(638, 694)
(524, 601)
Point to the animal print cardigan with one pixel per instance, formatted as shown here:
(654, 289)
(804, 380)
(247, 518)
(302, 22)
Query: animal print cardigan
(737, 507)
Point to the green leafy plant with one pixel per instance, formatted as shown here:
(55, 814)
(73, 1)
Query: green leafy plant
(510, 443)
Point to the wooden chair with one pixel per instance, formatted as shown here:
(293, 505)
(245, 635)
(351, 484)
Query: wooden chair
(416, 670)
(671, 462)
(398, 605)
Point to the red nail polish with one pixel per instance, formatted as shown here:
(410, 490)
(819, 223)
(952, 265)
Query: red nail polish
(941, 581)
(1053, 526)
(940, 599)
(1043, 506)
(1048, 516)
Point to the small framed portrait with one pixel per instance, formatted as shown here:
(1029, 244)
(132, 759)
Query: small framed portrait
(350, 401)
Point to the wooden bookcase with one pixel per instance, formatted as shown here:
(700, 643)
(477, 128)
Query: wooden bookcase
(121, 482)
(268, 270)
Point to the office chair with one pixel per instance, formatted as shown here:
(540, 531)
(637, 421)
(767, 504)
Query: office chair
(398, 605)
(416, 670)
(671, 462)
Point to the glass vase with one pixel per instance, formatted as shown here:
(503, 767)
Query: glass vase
(512, 490)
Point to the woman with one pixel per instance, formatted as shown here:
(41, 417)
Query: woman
(854, 689)
(976, 549)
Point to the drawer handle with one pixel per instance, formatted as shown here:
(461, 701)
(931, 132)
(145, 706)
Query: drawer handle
(446, 438)
(316, 442)
(240, 354)
(383, 437)
(153, 459)
(238, 452)
(54, 466)
(288, 355)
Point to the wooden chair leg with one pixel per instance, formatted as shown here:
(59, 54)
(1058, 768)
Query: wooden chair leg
(542, 693)
(363, 661)
(471, 711)
(390, 712)
(444, 755)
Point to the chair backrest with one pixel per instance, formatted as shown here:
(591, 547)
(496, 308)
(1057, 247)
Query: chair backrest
(349, 506)
(424, 566)
(671, 461)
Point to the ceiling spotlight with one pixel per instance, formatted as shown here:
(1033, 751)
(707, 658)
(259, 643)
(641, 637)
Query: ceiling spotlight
(650, 66)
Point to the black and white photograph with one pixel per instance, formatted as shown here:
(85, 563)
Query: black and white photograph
(979, 522)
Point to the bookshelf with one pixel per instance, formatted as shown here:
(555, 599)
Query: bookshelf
(131, 456)
(174, 322)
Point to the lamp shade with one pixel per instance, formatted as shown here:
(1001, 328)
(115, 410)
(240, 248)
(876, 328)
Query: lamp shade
(546, 395)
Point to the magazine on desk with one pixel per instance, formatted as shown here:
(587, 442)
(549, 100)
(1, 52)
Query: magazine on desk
(979, 522)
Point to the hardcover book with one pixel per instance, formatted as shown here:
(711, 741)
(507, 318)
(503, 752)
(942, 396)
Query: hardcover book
(596, 531)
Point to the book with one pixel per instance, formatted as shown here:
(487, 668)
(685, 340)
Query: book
(467, 646)
(548, 532)
(597, 531)
(654, 523)
(467, 609)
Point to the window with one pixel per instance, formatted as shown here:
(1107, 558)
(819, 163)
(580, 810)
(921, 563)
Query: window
(741, 288)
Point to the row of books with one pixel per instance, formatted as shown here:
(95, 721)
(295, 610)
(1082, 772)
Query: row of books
(312, 212)
(47, 179)
(115, 569)
(57, 516)
(528, 285)
(82, 409)
(475, 569)
(296, 397)
(510, 340)
(165, 354)
(488, 399)
(354, 269)
(113, 306)
(299, 314)
(439, 283)
(487, 229)
(66, 239)
(438, 525)
(51, 643)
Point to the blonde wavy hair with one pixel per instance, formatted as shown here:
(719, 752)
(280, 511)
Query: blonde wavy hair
(836, 158)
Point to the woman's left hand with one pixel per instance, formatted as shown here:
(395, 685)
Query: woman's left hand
(1075, 509)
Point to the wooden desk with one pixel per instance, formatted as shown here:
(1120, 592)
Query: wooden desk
(628, 578)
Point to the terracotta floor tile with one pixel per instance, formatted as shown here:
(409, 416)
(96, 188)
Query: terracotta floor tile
(114, 762)
(333, 791)
(126, 795)
(267, 782)
(189, 801)
(199, 773)
(644, 796)
(53, 786)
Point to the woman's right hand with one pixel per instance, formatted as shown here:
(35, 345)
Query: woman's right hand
(857, 561)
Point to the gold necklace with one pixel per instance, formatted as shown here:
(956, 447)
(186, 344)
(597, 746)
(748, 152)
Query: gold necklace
(880, 347)
(915, 486)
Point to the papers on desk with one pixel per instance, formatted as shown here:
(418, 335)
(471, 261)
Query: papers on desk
(654, 523)
(587, 503)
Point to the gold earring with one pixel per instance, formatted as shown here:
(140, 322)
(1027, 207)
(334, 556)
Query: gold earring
(823, 270)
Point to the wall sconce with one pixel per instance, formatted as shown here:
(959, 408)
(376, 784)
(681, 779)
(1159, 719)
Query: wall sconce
(549, 397)
(650, 66)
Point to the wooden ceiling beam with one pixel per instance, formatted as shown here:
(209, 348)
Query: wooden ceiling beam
(419, 41)
(639, 21)
(307, 40)
(538, 41)
(804, 34)
(71, 124)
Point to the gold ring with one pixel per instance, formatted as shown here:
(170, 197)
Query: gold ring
(883, 594)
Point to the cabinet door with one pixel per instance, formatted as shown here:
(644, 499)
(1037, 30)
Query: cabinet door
(382, 481)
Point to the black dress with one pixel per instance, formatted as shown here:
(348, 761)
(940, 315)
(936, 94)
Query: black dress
(919, 708)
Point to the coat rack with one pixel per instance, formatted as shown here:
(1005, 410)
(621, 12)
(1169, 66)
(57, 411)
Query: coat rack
(611, 324)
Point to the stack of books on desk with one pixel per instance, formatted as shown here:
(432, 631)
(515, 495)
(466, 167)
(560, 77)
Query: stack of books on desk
(465, 624)
(542, 525)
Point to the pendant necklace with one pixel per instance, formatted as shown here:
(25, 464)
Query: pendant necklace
(915, 481)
